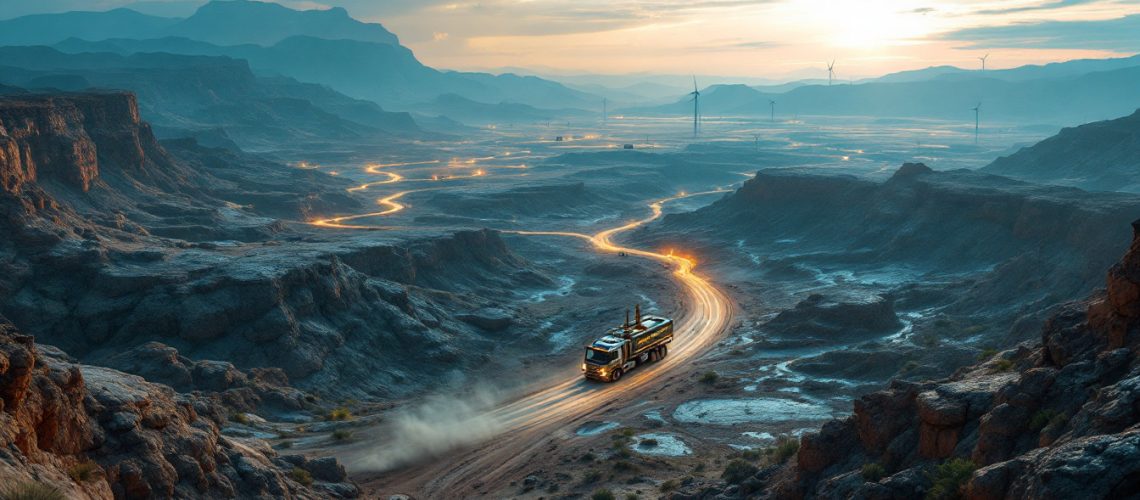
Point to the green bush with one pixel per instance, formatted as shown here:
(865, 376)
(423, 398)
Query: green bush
(737, 471)
(709, 378)
(987, 353)
(30, 490)
(84, 471)
(631, 496)
(1042, 418)
(873, 472)
(623, 466)
(240, 417)
(341, 435)
(285, 445)
(752, 455)
(949, 479)
(670, 485)
(301, 476)
(1003, 365)
(339, 414)
(648, 442)
(588, 457)
(602, 494)
(786, 448)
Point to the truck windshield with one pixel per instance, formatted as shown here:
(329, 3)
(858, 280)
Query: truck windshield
(599, 357)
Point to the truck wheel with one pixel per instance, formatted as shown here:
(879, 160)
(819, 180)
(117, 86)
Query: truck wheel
(664, 351)
(653, 356)
(616, 375)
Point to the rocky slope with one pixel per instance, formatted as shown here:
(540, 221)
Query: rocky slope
(1099, 156)
(117, 245)
(976, 241)
(92, 432)
(1055, 418)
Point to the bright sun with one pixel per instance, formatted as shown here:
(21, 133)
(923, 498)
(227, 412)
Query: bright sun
(869, 24)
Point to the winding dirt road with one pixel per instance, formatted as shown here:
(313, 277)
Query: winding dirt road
(525, 424)
(528, 422)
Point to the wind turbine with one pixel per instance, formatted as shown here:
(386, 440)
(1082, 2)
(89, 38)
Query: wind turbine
(696, 107)
(772, 106)
(977, 122)
(830, 71)
(983, 59)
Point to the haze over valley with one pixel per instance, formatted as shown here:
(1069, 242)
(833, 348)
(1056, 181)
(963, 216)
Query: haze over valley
(268, 250)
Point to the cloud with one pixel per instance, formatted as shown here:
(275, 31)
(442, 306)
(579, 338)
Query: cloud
(439, 36)
(1119, 35)
(1052, 5)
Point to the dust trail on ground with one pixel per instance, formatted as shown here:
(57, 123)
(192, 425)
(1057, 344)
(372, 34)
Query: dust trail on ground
(432, 428)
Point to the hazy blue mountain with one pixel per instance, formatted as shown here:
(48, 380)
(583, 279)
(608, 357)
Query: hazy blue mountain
(918, 75)
(327, 47)
(46, 29)
(235, 22)
(1099, 156)
(385, 73)
(1074, 67)
(1092, 96)
(179, 92)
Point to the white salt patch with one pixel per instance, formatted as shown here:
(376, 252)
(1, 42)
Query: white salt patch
(667, 445)
(738, 411)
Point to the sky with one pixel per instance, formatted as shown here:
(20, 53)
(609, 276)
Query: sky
(776, 39)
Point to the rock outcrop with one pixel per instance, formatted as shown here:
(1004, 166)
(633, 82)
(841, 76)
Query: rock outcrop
(1098, 156)
(1055, 419)
(94, 432)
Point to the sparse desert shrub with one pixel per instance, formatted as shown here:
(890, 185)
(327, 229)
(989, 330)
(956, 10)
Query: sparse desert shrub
(591, 477)
(785, 448)
(987, 353)
(240, 417)
(285, 445)
(699, 468)
(623, 466)
(873, 472)
(602, 494)
(949, 479)
(737, 471)
(301, 476)
(1041, 419)
(84, 471)
(752, 455)
(648, 442)
(30, 490)
(631, 496)
(709, 378)
(339, 414)
(670, 485)
(341, 435)
(588, 457)
(1003, 365)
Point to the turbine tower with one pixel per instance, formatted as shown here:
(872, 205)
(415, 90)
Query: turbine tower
(983, 59)
(830, 71)
(696, 107)
(977, 122)
(772, 107)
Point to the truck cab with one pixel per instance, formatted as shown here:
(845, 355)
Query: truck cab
(622, 349)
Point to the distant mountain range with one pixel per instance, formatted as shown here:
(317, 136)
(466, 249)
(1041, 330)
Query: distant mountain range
(1100, 156)
(328, 47)
(1058, 94)
(193, 95)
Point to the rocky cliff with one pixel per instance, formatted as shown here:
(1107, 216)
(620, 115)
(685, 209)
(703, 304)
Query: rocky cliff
(1098, 156)
(90, 432)
(1052, 419)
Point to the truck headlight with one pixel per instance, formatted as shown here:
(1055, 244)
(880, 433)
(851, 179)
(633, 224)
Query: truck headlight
(583, 366)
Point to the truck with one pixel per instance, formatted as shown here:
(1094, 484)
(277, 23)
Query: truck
(644, 340)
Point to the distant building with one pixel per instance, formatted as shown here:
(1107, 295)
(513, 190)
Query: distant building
(627, 146)
(558, 139)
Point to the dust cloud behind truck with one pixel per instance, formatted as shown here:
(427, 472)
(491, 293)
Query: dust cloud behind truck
(622, 349)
